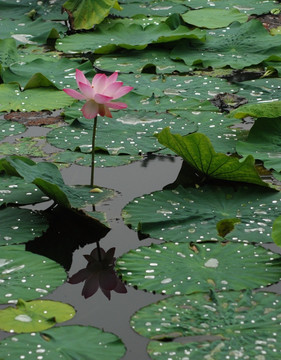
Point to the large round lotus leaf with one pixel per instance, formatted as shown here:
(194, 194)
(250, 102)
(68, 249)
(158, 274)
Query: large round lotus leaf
(139, 61)
(35, 315)
(64, 343)
(197, 87)
(263, 145)
(203, 214)
(149, 8)
(180, 268)
(26, 275)
(61, 72)
(133, 36)
(26, 30)
(15, 190)
(20, 225)
(213, 18)
(256, 7)
(259, 90)
(166, 103)
(11, 98)
(128, 132)
(101, 159)
(237, 46)
(234, 325)
(7, 128)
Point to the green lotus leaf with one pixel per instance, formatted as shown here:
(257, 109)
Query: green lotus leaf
(258, 110)
(24, 146)
(197, 150)
(133, 36)
(65, 342)
(133, 132)
(184, 215)
(263, 145)
(101, 159)
(8, 128)
(8, 52)
(255, 7)
(35, 315)
(11, 98)
(61, 73)
(31, 52)
(138, 61)
(13, 9)
(28, 31)
(259, 91)
(197, 87)
(177, 268)
(166, 103)
(214, 18)
(237, 46)
(48, 179)
(149, 8)
(216, 126)
(227, 324)
(14, 190)
(20, 225)
(26, 275)
(276, 231)
(87, 13)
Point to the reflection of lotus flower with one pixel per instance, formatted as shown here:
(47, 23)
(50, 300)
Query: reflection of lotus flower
(99, 94)
(99, 273)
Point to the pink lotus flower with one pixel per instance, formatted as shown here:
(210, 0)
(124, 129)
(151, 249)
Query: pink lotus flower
(99, 94)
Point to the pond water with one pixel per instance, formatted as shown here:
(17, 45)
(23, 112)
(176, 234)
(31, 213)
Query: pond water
(129, 181)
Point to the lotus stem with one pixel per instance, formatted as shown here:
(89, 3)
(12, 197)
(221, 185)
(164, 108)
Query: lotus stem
(93, 151)
(98, 248)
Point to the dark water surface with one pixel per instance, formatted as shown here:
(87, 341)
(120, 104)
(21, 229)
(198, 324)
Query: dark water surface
(130, 181)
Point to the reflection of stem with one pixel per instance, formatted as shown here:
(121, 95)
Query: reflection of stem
(98, 248)
(93, 151)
